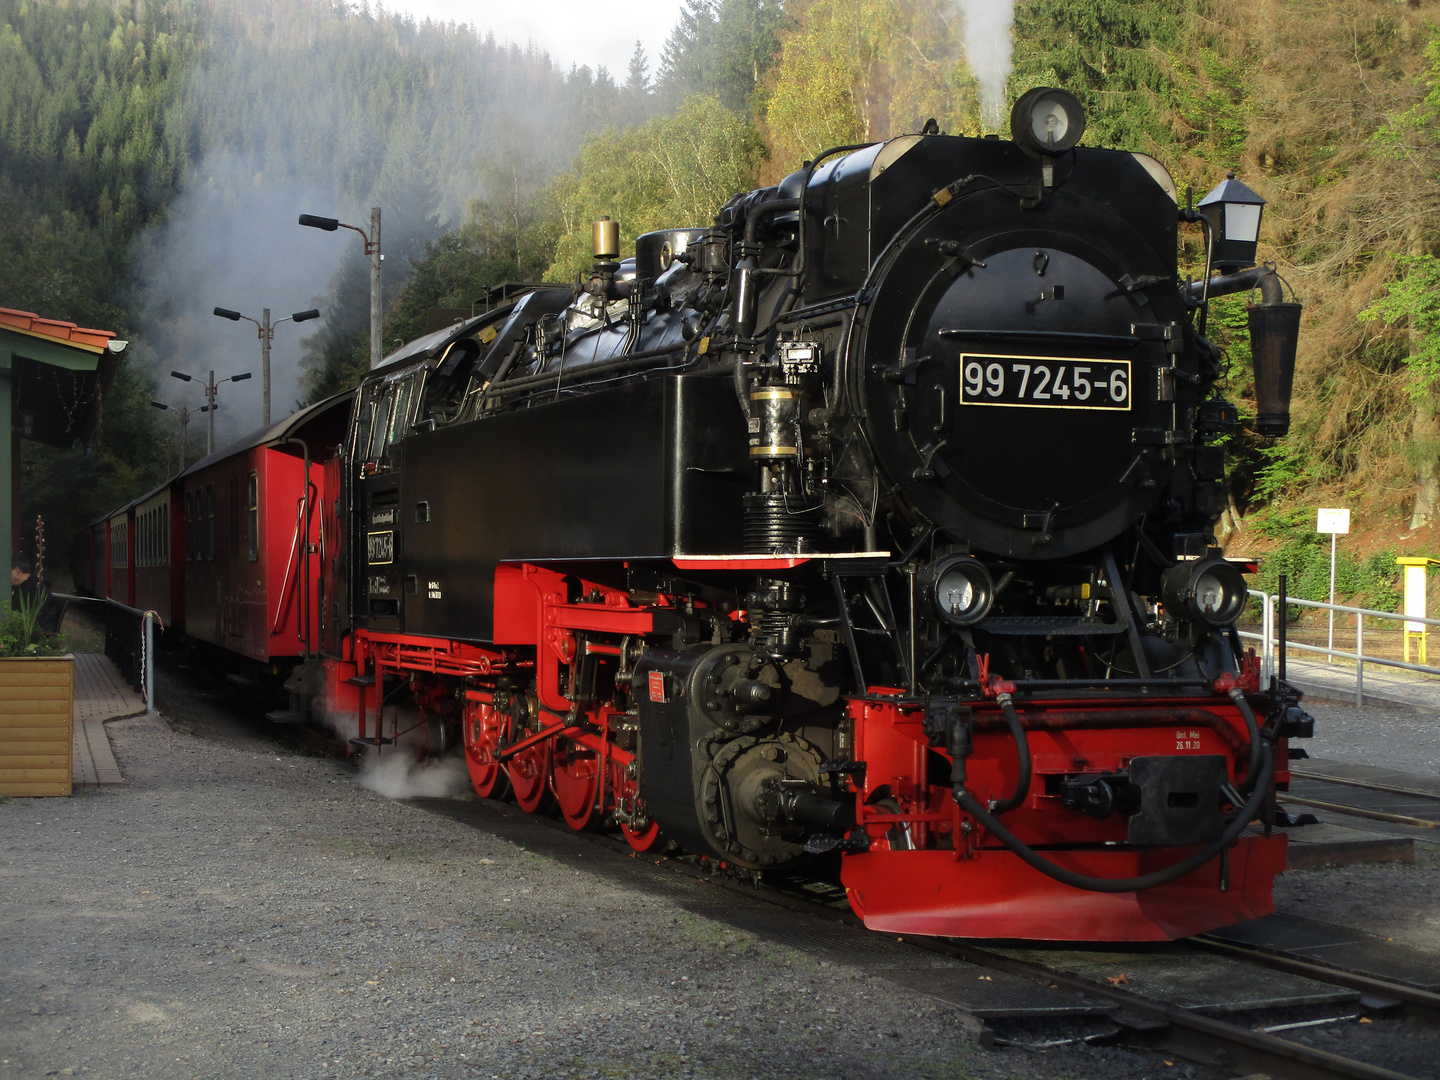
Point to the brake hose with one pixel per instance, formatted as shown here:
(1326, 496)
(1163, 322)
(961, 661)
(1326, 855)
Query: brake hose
(1030, 857)
(1022, 748)
(1252, 728)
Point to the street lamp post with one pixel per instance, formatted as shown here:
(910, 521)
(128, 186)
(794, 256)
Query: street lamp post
(267, 334)
(184, 415)
(372, 249)
(211, 387)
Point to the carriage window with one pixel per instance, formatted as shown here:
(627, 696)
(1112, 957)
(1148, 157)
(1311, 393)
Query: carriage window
(234, 516)
(252, 514)
(189, 527)
(165, 532)
(210, 521)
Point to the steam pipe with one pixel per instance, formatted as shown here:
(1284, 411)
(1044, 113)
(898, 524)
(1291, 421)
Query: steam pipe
(1241, 281)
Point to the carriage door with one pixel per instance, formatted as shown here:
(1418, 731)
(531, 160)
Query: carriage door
(389, 404)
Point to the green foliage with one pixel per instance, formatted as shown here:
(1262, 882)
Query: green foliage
(856, 70)
(1371, 581)
(721, 49)
(1303, 555)
(20, 633)
(1414, 301)
(1112, 54)
(672, 171)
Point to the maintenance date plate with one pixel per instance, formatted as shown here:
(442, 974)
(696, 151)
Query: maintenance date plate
(1044, 381)
(379, 548)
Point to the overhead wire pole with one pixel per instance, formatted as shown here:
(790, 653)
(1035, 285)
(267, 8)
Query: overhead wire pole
(372, 248)
(372, 251)
(184, 415)
(211, 387)
(267, 335)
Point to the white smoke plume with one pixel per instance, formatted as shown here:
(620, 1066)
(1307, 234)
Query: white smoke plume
(987, 50)
(395, 774)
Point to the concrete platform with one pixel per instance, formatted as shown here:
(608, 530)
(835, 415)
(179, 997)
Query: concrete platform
(1392, 687)
(100, 695)
(1327, 844)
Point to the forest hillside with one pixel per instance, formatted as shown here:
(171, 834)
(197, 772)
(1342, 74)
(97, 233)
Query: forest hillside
(143, 145)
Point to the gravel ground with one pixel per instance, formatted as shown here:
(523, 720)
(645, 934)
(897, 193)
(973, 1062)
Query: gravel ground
(1396, 900)
(1386, 739)
(238, 909)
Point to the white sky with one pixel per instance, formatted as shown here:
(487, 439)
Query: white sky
(571, 31)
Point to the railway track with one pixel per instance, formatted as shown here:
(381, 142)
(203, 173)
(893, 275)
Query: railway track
(1247, 1036)
(1380, 798)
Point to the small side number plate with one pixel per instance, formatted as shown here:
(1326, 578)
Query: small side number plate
(379, 548)
(1044, 381)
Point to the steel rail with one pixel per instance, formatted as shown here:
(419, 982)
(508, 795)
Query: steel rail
(1360, 812)
(1196, 1036)
(1424, 1004)
(1306, 774)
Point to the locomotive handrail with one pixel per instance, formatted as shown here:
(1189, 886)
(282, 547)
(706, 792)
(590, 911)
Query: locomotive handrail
(283, 607)
(564, 378)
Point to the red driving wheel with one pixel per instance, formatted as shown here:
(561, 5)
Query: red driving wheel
(529, 773)
(484, 733)
(643, 832)
(575, 779)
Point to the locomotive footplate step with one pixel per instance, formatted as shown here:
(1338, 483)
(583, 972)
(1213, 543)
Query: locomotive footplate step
(1201, 982)
(1339, 947)
(361, 680)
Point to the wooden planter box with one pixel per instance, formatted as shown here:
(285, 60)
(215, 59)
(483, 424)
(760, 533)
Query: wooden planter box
(37, 696)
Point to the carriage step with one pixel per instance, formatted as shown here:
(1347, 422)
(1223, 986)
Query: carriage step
(285, 716)
(242, 681)
(379, 740)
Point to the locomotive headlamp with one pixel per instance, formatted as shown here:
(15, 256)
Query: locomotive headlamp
(961, 589)
(1210, 591)
(1233, 211)
(1047, 121)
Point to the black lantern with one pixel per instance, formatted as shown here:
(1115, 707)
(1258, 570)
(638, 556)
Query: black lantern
(1233, 211)
(1045, 121)
(1209, 591)
(960, 588)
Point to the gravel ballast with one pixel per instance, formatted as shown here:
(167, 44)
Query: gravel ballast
(237, 909)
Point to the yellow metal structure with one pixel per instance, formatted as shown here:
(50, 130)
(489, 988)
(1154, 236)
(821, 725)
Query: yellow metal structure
(1415, 632)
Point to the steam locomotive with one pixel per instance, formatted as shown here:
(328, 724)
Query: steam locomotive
(871, 524)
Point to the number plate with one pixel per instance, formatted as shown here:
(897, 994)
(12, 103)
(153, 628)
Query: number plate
(1044, 381)
(379, 548)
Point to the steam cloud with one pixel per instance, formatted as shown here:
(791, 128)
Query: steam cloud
(987, 49)
(284, 118)
(397, 775)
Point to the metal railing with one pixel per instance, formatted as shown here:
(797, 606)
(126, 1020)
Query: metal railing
(129, 643)
(1269, 639)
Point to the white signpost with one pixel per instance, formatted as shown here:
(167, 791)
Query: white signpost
(1336, 523)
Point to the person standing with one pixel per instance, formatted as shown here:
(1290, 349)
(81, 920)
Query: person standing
(27, 588)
